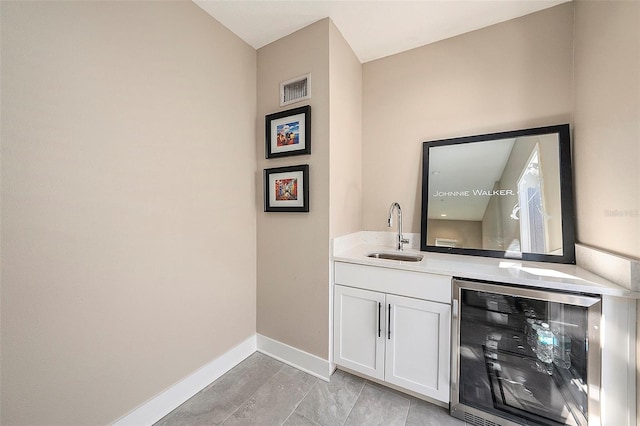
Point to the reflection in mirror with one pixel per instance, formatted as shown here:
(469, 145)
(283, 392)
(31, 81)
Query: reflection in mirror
(502, 195)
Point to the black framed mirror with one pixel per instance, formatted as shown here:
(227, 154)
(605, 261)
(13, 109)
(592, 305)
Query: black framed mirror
(507, 194)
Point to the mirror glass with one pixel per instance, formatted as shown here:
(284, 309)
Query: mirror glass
(505, 194)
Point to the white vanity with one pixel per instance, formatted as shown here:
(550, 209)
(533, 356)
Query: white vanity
(411, 312)
(392, 319)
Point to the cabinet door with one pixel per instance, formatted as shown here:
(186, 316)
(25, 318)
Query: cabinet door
(418, 347)
(359, 330)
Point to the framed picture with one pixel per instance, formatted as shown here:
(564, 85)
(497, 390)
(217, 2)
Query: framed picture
(286, 189)
(288, 132)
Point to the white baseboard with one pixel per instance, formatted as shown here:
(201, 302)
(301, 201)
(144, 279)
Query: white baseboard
(165, 402)
(309, 363)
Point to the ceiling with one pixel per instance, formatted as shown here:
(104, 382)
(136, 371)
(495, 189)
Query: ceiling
(373, 28)
(445, 174)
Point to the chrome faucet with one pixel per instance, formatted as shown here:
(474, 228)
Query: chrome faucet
(401, 239)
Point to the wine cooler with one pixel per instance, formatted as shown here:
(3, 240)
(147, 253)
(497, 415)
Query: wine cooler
(523, 356)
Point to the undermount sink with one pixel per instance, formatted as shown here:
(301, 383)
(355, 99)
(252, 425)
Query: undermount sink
(397, 256)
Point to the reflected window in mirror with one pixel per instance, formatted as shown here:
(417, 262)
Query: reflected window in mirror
(533, 217)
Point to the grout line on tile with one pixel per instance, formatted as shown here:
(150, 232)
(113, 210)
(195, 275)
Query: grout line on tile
(300, 402)
(355, 403)
(406, 417)
(251, 396)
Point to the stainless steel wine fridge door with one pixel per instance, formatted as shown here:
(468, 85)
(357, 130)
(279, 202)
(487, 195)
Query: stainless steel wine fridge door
(524, 356)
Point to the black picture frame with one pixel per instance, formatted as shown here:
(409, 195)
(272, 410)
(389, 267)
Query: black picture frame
(288, 133)
(565, 188)
(286, 189)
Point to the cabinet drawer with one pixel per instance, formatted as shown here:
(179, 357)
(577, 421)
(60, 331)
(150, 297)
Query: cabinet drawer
(420, 285)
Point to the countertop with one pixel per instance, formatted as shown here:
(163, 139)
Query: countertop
(549, 276)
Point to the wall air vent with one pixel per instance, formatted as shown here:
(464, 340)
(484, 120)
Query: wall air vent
(446, 242)
(295, 90)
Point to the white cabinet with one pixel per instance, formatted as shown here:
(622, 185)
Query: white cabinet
(418, 346)
(358, 320)
(401, 340)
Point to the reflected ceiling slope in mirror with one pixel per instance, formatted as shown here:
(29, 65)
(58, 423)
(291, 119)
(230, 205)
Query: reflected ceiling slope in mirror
(505, 194)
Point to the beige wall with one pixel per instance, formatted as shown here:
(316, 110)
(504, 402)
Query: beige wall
(128, 189)
(607, 125)
(345, 163)
(513, 75)
(606, 144)
(293, 248)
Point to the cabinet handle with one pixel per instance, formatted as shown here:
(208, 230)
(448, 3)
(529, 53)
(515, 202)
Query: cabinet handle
(379, 318)
(389, 324)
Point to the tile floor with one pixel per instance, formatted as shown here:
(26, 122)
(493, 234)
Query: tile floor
(263, 391)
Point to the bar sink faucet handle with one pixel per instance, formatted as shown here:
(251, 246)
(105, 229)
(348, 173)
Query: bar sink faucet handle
(400, 240)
